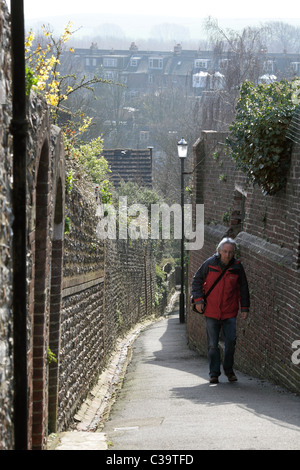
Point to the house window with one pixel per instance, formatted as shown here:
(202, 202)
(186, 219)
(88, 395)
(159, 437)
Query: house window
(295, 66)
(224, 63)
(155, 63)
(269, 66)
(90, 62)
(144, 137)
(134, 61)
(202, 63)
(110, 62)
(109, 75)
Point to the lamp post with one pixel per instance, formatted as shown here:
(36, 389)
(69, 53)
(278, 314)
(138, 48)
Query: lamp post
(182, 154)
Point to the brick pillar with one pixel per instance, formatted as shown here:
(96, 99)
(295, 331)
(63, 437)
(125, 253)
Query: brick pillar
(55, 305)
(41, 302)
(54, 336)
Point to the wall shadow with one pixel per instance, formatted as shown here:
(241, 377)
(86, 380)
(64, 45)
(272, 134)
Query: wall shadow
(258, 397)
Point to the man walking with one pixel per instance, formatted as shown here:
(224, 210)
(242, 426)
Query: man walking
(221, 305)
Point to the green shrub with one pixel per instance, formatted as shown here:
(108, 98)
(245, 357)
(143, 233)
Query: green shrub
(258, 134)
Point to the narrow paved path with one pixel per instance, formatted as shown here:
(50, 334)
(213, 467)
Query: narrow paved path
(167, 403)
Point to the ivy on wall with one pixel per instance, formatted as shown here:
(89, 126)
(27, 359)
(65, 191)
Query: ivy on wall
(258, 134)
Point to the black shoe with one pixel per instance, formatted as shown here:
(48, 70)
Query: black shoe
(232, 377)
(214, 380)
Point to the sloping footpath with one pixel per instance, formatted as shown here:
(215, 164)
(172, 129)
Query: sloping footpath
(95, 410)
(158, 397)
(89, 420)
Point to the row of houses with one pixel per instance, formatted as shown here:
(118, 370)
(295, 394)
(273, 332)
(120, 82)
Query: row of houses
(192, 70)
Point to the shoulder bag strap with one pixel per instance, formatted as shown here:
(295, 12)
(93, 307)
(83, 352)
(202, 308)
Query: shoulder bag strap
(216, 281)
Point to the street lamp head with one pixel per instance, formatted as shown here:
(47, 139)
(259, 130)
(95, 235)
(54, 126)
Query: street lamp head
(182, 148)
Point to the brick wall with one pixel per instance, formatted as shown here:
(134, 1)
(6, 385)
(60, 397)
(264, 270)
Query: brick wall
(267, 232)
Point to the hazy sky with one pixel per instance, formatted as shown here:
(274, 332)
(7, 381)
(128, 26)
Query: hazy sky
(217, 8)
(137, 18)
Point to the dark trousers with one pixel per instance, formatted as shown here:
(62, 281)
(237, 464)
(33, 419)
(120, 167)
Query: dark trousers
(213, 329)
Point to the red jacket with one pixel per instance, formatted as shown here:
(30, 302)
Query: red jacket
(228, 295)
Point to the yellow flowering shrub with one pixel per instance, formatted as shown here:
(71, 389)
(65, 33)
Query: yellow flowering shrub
(43, 63)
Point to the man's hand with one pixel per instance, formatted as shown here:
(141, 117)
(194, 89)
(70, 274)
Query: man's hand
(200, 308)
(244, 315)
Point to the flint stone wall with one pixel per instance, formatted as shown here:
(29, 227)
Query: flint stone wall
(108, 287)
(6, 322)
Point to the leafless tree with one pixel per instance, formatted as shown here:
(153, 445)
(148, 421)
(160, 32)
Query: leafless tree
(240, 57)
(283, 37)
